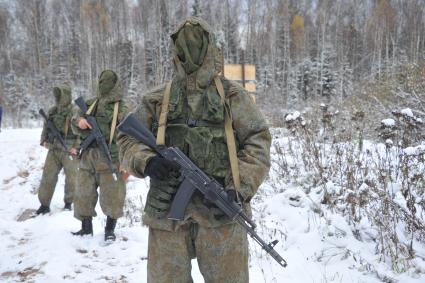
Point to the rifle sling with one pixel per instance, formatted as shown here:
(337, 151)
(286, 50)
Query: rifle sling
(114, 122)
(160, 137)
(230, 138)
(66, 127)
(91, 108)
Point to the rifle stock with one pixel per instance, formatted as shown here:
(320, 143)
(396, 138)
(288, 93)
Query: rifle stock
(43, 114)
(53, 130)
(81, 104)
(132, 127)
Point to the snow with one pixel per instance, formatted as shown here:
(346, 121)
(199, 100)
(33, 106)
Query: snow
(408, 112)
(317, 243)
(293, 116)
(415, 150)
(388, 122)
(389, 142)
(220, 39)
(42, 249)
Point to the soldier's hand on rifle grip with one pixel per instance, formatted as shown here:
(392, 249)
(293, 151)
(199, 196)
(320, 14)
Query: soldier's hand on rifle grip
(232, 195)
(73, 151)
(83, 124)
(160, 168)
(124, 174)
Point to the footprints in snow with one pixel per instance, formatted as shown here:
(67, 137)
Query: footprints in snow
(25, 275)
(23, 173)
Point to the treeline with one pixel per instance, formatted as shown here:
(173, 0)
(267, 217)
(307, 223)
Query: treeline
(304, 50)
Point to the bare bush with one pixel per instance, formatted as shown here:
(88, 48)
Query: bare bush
(381, 183)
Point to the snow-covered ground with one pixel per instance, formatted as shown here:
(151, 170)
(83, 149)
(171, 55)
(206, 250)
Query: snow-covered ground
(317, 248)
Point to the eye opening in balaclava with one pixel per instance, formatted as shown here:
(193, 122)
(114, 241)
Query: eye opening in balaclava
(107, 81)
(191, 43)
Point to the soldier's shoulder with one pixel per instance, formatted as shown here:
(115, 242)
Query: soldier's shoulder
(232, 88)
(155, 94)
(237, 94)
(157, 90)
(52, 110)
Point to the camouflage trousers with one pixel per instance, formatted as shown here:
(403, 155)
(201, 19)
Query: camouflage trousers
(222, 254)
(94, 172)
(56, 160)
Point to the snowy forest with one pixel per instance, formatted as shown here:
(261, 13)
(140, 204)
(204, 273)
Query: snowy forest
(340, 82)
(304, 51)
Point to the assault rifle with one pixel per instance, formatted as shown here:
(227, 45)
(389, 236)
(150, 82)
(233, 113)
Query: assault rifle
(196, 179)
(95, 136)
(53, 131)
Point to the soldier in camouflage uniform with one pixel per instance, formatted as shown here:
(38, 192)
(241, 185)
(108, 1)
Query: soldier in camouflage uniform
(195, 124)
(93, 169)
(57, 157)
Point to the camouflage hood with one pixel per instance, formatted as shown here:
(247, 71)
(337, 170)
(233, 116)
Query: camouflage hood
(63, 97)
(115, 94)
(195, 52)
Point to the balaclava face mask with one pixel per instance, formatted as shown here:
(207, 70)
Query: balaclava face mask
(62, 97)
(57, 94)
(191, 44)
(107, 82)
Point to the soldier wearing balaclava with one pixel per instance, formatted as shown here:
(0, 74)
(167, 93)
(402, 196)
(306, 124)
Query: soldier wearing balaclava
(193, 120)
(94, 176)
(57, 157)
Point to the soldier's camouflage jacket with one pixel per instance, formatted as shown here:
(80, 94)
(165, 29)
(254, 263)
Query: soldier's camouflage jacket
(103, 112)
(60, 115)
(195, 124)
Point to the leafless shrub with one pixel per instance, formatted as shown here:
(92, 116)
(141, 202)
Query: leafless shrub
(381, 183)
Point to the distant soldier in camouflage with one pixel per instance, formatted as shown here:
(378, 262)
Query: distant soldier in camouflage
(195, 123)
(93, 170)
(57, 157)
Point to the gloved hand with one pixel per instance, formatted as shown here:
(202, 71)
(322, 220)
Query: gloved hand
(161, 169)
(232, 195)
